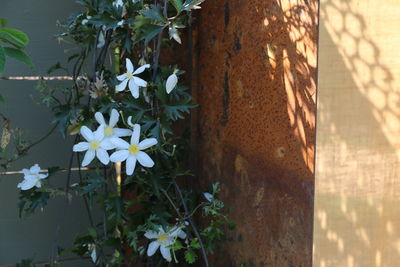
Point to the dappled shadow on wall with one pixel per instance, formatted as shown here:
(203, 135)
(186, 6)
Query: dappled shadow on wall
(357, 212)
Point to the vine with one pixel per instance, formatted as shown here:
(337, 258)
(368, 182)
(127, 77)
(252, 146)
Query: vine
(123, 106)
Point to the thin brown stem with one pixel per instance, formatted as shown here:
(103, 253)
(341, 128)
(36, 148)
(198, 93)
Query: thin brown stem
(191, 221)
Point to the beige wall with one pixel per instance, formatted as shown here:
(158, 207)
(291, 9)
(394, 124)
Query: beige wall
(357, 190)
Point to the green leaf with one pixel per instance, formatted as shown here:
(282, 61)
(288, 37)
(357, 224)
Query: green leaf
(174, 33)
(92, 185)
(153, 14)
(92, 232)
(175, 112)
(192, 4)
(15, 37)
(178, 5)
(195, 243)
(190, 256)
(176, 246)
(32, 199)
(3, 22)
(2, 60)
(19, 55)
(150, 34)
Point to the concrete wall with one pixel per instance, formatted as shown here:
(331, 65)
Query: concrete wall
(255, 77)
(357, 212)
(34, 237)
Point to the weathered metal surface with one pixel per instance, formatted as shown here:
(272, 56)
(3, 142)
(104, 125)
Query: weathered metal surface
(256, 83)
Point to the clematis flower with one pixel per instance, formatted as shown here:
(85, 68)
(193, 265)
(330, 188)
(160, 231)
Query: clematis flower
(163, 240)
(102, 41)
(94, 147)
(132, 81)
(118, 3)
(133, 152)
(109, 129)
(172, 81)
(32, 178)
(208, 196)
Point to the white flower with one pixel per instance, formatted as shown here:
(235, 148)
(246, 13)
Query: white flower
(120, 23)
(32, 178)
(85, 21)
(95, 146)
(172, 81)
(208, 196)
(109, 129)
(129, 121)
(101, 41)
(118, 3)
(133, 152)
(93, 255)
(134, 82)
(163, 240)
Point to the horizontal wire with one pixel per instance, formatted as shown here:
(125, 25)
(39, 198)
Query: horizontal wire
(47, 171)
(38, 78)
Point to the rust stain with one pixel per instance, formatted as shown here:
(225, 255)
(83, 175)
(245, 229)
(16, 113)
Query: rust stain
(255, 73)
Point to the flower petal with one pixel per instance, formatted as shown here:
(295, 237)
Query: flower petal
(165, 253)
(38, 184)
(122, 132)
(26, 172)
(135, 135)
(89, 156)
(121, 77)
(172, 81)
(140, 82)
(134, 89)
(99, 118)
(35, 169)
(208, 196)
(152, 248)
(27, 184)
(103, 156)
(121, 87)
(99, 133)
(144, 159)
(130, 165)
(119, 156)
(129, 65)
(141, 69)
(43, 176)
(151, 234)
(113, 118)
(181, 234)
(82, 146)
(119, 143)
(87, 133)
(146, 143)
(106, 144)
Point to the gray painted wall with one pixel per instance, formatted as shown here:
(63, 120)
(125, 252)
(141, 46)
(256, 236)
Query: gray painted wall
(34, 237)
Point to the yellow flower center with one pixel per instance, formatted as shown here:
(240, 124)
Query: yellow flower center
(108, 131)
(129, 75)
(94, 145)
(134, 149)
(162, 238)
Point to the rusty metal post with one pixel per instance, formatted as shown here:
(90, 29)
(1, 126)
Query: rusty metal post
(255, 80)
